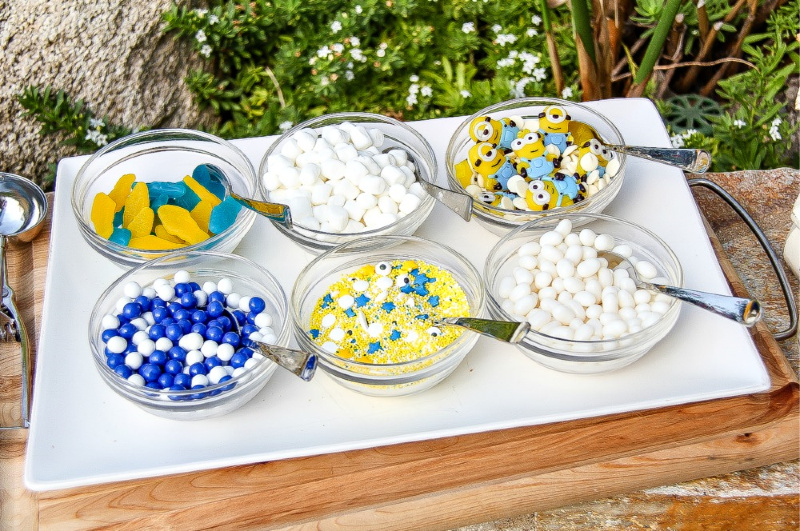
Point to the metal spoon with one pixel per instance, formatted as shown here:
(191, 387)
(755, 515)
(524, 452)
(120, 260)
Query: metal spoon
(301, 364)
(23, 206)
(691, 160)
(745, 311)
(508, 331)
(274, 211)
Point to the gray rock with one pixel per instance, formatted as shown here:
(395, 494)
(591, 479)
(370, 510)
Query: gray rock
(112, 54)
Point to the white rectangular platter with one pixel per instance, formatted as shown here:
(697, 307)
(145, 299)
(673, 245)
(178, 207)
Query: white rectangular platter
(82, 433)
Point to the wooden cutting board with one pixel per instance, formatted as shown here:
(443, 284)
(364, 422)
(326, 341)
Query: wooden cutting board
(439, 484)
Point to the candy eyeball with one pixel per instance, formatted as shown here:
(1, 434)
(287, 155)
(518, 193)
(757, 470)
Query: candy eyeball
(402, 280)
(556, 114)
(486, 197)
(383, 268)
(433, 331)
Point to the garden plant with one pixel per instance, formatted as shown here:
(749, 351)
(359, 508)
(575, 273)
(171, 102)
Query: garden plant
(717, 69)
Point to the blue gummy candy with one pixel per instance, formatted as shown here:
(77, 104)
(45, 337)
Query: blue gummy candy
(159, 201)
(211, 178)
(120, 236)
(223, 215)
(171, 190)
(189, 199)
(118, 219)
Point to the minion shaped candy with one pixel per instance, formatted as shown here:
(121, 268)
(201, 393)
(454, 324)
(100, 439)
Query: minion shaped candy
(499, 132)
(533, 160)
(541, 195)
(497, 199)
(490, 163)
(554, 124)
(566, 185)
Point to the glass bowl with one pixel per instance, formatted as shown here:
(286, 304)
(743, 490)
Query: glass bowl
(391, 135)
(164, 155)
(248, 279)
(386, 378)
(525, 111)
(550, 346)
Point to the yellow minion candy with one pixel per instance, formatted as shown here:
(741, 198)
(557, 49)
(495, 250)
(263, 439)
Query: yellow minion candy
(499, 132)
(554, 119)
(542, 195)
(464, 173)
(529, 145)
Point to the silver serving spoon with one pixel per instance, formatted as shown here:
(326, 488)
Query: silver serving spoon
(508, 331)
(745, 311)
(23, 206)
(691, 160)
(300, 363)
(275, 211)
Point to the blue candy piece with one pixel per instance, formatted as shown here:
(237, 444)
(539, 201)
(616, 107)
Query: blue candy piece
(171, 190)
(223, 215)
(159, 201)
(120, 236)
(188, 200)
(210, 177)
(118, 219)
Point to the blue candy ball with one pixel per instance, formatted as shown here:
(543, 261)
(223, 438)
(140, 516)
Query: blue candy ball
(215, 308)
(108, 334)
(241, 317)
(160, 313)
(188, 300)
(183, 379)
(212, 362)
(232, 338)
(214, 333)
(173, 367)
(181, 288)
(199, 316)
(112, 360)
(182, 314)
(174, 332)
(158, 302)
(123, 370)
(127, 330)
(166, 380)
(186, 325)
(150, 372)
(216, 296)
(158, 357)
(177, 353)
(229, 386)
(197, 368)
(257, 305)
(199, 328)
(157, 331)
(132, 310)
(144, 302)
(239, 359)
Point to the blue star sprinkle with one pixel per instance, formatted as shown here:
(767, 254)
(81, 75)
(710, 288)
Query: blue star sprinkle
(361, 300)
(374, 347)
(388, 306)
(326, 301)
(314, 333)
(433, 300)
(349, 312)
(395, 335)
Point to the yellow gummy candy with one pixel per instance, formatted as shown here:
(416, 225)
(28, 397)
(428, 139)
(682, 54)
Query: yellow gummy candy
(103, 215)
(138, 199)
(201, 213)
(464, 173)
(201, 191)
(162, 233)
(178, 222)
(142, 224)
(153, 243)
(121, 190)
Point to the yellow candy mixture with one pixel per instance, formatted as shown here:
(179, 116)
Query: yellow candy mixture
(384, 313)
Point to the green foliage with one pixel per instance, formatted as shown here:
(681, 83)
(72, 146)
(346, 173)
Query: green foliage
(754, 132)
(72, 119)
(271, 64)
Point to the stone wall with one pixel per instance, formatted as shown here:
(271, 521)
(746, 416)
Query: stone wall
(112, 54)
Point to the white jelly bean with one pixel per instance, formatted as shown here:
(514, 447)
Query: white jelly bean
(584, 298)
(551, 238)
(587, 237)
(588, 268)
(646, 270)
(519, 291)
(537, 318)
(604, 242)
(547, 293)
(525, 304)
(564, 227)
(565, 268)
(542, 279)
(530, 248)
(528, 262)
(574, 285)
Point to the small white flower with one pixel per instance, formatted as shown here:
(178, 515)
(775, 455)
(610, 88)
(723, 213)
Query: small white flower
(774, 133)
(205, 51)
(96, 123)
(566, 93)
(411, 100)
(200, 36)
(518, 88)
(413, 88)
(677, 141)
(324, 81)
(213, 19)
(380, 53)
(468, 27)
(97, 137)
(358, 55)
(689, 132)
(414, 78)
(426, 91)
(531, 32)
(539, 74)
(465, 94)
(200, 12)
(739, 123)
(323, 52)
(285, 126)
(536, 20)
(355, 41)
(338, 47)
(359, 10)
(506, 62)
(349, 75)
(777, 121)
(336, 26)
(497, 28)
(506, 38)
(383, 46)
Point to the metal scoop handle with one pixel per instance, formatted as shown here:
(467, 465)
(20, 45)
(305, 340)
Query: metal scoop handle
(691, 160)
(275, 211)
(299, 363)
(508, 331)
(745, 311)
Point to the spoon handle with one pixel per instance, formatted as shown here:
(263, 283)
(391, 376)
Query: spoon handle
(302, 364)
(458, 202)
(274, 211)
(509, 331)
(745, 311)
(691, 160)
